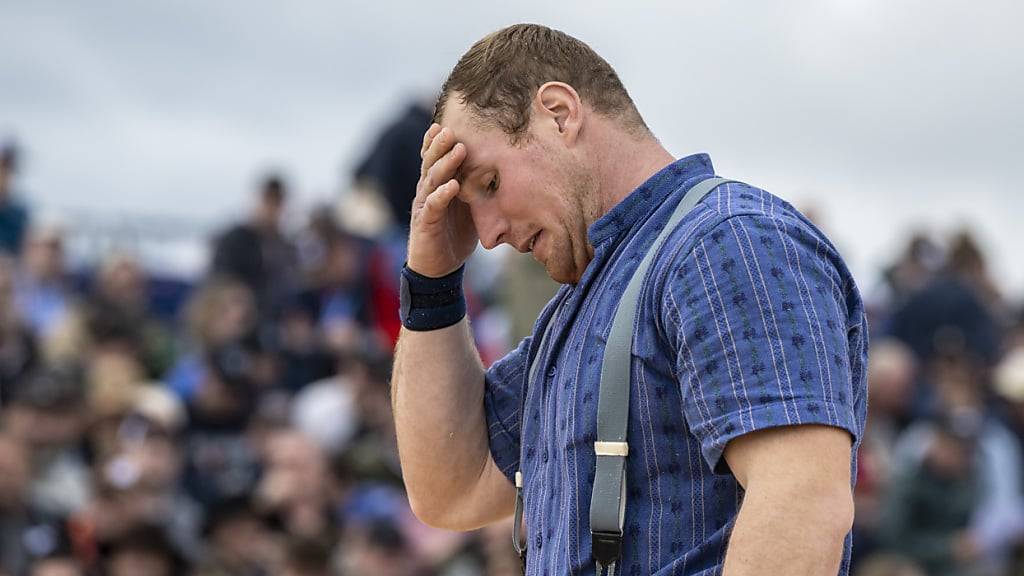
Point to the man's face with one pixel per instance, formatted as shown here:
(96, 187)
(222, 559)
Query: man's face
(534, 195)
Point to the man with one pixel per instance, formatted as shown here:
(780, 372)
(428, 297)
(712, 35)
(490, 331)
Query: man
(747, 390)
(257, 253)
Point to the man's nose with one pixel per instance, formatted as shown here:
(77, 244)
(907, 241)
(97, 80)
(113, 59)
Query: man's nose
(491, 228)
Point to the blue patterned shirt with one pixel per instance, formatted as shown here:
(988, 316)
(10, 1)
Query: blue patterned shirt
(749, 319)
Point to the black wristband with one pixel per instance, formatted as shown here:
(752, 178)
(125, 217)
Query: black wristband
(431, 303)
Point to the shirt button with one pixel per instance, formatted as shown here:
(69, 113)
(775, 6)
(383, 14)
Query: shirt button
(552, 371)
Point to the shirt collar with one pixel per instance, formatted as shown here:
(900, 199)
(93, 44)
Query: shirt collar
(641, 202)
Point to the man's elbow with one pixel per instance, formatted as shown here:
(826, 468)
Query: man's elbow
(437, 513)
(835, 512)
(430, 511)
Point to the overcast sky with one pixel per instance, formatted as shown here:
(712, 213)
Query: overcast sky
(885, 115)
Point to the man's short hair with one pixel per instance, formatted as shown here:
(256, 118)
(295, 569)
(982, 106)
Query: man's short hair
(500, 74)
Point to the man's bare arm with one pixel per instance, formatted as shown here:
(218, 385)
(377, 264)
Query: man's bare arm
(437, 394)
(438, 379)
(798, 505)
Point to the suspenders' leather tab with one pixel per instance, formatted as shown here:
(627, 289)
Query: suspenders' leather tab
(606, 547)
(611, 448)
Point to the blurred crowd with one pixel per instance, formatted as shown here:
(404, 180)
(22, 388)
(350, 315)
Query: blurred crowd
(239, 424)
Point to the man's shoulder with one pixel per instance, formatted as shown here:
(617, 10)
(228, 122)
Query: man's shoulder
(738, 223)
(728, 205)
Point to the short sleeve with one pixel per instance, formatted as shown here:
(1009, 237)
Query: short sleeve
(757, 313)
(503, 389)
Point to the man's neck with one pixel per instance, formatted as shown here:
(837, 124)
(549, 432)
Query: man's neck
(625, 164)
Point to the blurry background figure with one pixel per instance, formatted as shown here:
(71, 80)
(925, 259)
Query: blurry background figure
(257, 252)
(392, 166)
(117, 316)
(46, 413)
(955, 499)
(917, 265)
(295, 486)
(308, 558)
(952, 314)
(240, 541)
(931, 502)
(42, 293)
(19, 354)
(146, 551)
(14, 216)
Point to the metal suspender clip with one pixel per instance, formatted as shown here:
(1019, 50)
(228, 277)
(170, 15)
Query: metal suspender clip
(605, 546)
(518, 543)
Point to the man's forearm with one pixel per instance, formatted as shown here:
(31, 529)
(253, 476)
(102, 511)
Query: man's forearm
(437, 397)
(798, 533)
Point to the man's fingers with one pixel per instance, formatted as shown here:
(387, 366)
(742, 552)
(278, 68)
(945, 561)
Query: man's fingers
(438, 147)
(444, 169)
(428, 137)
(435, 208)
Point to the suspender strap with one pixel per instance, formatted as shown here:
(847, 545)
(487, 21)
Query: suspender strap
(519, 544)
(608, 502)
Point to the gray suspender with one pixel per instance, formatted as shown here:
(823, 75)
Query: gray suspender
(608, 502)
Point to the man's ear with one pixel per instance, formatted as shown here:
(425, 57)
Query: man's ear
(559, 107)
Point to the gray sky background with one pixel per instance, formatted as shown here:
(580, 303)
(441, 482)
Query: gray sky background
(885, 115)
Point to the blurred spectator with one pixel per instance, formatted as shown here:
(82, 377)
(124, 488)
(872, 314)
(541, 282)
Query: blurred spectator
(222, 459)
(220, 313)
(931, 502)
(139, 460)
(967, 262)
(46, 414)
(117, 315)
(43, 295)
(14, 217)
(295, 486)
(18, 351)
(146, 551)
(920, 261)
(339, 291)
(257, 252)
(308, 558)
(990, 473)
(392, 165)
(948, 317)
(241, 543)
(28, 534)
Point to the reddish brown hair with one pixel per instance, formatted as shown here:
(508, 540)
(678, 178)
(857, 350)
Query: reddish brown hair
(500, 74)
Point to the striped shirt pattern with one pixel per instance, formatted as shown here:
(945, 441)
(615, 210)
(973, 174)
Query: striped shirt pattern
(749, 319)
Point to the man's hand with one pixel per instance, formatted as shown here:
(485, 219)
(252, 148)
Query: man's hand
(441, 233)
